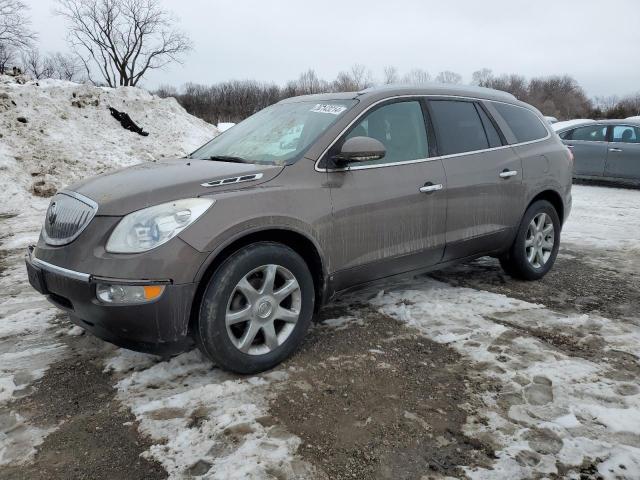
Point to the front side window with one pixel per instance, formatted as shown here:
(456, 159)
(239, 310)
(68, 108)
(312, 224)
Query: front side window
(458, 127)
(277, 135)
(591, 133)
(525, 125)
(401, 129)
(626, 134)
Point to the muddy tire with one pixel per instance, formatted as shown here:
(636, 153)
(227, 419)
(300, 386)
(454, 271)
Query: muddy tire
(256, 309)
(535, 248)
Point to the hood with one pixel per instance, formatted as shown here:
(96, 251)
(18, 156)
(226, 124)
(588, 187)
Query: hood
(140, 186)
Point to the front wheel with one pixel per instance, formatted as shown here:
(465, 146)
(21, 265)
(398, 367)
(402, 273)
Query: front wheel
(256, 309)
(535, 248)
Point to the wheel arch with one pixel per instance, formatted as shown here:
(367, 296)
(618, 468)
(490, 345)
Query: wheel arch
(554, 198)
(299, 242)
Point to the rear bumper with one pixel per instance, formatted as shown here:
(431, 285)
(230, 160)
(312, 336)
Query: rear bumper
(159, 327)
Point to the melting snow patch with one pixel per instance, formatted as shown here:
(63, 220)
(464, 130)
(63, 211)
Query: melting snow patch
(206, 421)
(553, 409)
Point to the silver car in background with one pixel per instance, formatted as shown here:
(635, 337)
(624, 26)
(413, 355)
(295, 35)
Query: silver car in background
(607, 150)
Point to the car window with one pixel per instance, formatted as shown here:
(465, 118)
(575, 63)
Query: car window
(401, 129)
(458, 127)
(525, 125)
(591, 133)
(626, 134)
(492, 134)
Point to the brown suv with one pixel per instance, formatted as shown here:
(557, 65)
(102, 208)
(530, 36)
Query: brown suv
(235, 246)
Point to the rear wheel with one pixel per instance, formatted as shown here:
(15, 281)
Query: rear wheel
(535, 248)
(256, 309)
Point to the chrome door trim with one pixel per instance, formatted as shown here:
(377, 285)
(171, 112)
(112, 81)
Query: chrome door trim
(420, 160)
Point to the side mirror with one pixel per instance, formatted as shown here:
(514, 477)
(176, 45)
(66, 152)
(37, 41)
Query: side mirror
(361, 149)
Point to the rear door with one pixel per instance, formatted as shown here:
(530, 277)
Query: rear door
(484, 182)
(589, 147)
(383, 224)
(623, 156)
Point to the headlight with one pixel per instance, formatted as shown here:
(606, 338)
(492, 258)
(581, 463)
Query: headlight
(148, 228)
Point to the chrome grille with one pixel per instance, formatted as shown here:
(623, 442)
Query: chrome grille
(68, 215)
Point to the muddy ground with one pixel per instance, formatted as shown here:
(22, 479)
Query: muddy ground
(369, 400)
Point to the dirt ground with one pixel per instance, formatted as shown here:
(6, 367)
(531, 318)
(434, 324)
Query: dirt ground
(368, 398)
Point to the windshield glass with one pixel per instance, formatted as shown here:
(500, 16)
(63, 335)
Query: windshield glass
(277, 135)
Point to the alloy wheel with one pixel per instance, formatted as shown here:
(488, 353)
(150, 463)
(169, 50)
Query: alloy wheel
(263, 309)
(539, 240)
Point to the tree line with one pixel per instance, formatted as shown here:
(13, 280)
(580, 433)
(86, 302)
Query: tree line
(559, 96)
(117, 42)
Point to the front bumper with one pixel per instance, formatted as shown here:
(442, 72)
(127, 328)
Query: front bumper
(160, 326)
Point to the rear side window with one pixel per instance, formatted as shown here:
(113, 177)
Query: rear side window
(591, 133)
(458, 127)
(525, 125)
(626, 134)
(492, 134)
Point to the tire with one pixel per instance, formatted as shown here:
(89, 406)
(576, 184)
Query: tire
(239, 294)
(531, 256)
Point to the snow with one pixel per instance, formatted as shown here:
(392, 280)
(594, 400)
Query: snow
(60, 144)
(571, 123)
(197, 414)
(633, 118)
(224, 126)
(604, 218)
(70, 133)
(565, 409)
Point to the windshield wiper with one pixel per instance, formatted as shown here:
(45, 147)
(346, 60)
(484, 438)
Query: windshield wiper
(226, 158)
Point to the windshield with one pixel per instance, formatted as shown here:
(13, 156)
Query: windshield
(277, 135)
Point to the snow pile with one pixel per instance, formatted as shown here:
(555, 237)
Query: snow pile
(55, 133)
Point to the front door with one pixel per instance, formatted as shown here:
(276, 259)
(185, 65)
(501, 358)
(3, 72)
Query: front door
(623, 156)
(484, 182)
(383, 224)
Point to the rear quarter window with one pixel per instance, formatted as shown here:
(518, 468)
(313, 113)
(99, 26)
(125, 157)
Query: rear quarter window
(525, 125)
(458, 127)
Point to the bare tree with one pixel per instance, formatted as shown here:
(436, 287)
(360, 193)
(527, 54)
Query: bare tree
(390, 75)
(417, 76)
(308, 83)
(122, 39)
(482, 77)
(36, 65)
(14, 25)
(65, 66)
(357, 78)
(7, 58)
(449, 77)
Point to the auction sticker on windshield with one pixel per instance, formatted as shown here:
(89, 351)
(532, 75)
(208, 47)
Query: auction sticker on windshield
(329, 108)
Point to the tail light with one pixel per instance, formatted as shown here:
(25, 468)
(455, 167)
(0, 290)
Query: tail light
(571, 157)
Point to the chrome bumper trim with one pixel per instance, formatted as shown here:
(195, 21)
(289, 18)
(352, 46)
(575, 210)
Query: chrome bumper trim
(65, 272)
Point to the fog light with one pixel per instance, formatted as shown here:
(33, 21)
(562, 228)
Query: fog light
(128, 293)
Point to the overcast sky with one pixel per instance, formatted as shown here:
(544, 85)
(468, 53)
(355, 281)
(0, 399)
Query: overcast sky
(594, 41)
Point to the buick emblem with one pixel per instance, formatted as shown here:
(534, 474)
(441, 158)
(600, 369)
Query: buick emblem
(53, 214)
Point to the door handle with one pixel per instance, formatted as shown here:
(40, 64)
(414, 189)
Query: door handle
(430, 187)
(570, 146)
(508, 173)
(615, 149)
